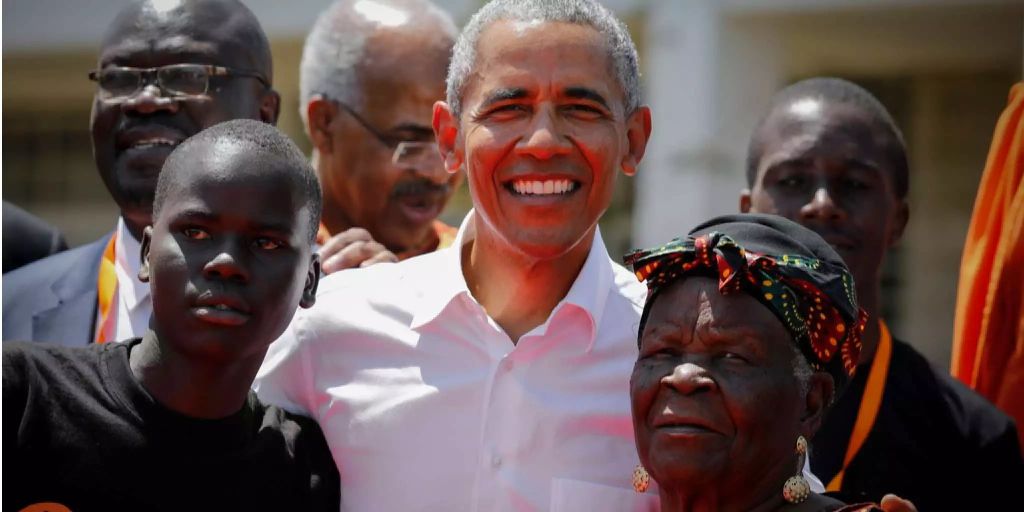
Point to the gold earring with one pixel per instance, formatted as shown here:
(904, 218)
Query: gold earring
(796, 489)
(641, 479)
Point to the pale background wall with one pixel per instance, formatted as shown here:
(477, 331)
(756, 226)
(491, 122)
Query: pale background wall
(943, 67)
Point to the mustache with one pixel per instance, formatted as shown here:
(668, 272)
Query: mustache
(420, 188)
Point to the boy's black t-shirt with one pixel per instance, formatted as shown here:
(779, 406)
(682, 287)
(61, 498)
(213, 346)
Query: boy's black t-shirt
(79, 430)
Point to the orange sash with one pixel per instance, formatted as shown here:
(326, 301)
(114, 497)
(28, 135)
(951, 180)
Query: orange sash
(869, 403)
(106, 289)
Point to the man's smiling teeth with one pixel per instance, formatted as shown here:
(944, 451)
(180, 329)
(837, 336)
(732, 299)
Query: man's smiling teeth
(536, 187)
(155, 142)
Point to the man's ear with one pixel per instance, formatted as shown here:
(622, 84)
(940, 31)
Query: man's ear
(820, 391)
(147, 240)
(446, 132)
(899, 223)
(638, 132)
(312, 281)
(270, 107)
(320, 115)
(745, 201)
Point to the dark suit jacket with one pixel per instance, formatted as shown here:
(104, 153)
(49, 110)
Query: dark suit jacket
(27, 238)
(53, 300)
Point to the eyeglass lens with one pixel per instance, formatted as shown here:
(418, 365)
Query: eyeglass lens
(420, 155)
(184, 80)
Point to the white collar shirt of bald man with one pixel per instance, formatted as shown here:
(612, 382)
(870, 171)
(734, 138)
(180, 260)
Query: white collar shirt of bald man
(427, 405)
(132, 305)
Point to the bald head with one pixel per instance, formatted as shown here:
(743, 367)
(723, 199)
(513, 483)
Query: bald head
(222, 32)
(238, 150)
(838, 105)
(353, 38)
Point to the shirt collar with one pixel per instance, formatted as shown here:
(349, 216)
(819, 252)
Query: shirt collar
(445, 282)
(127, 262)
(589, 292)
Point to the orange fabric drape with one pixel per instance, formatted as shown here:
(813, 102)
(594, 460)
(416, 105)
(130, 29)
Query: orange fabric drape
(988, 342)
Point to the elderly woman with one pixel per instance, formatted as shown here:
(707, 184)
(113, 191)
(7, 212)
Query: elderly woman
(750, 330)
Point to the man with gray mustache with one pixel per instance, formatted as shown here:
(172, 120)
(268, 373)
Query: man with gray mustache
(371, 72)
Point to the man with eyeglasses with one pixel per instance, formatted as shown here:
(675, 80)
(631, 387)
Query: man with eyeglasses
(371, 72)
(167, 69)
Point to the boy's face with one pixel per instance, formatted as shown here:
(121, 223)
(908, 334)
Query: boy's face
(228, 258)
(823, 166)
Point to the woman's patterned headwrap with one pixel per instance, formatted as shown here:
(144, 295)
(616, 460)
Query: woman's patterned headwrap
(785, 266)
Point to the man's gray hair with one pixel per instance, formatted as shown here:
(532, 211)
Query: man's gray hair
(581, 12)
(336, 45)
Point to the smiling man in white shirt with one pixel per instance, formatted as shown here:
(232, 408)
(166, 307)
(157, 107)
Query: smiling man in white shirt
(494, 375)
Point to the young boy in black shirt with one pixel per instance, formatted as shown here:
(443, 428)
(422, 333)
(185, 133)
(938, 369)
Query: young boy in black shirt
(167, 421)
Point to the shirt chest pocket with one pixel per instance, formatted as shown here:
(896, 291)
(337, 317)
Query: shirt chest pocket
(578, 496)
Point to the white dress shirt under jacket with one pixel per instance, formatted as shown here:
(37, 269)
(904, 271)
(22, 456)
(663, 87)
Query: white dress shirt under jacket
(132, 305)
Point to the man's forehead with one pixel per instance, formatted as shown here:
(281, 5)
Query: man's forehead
(806, 123)
(519, 55)
(181, 46)
(187, 29)
(506, 40)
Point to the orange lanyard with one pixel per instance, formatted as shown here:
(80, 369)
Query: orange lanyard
(869, 403)
(106, 288)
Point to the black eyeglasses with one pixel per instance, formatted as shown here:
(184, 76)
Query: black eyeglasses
(116, 82)
(407, 153)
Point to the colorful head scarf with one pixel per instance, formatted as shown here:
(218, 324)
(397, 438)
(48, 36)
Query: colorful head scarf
(782, 264)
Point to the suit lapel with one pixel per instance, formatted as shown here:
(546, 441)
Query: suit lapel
(71, 321)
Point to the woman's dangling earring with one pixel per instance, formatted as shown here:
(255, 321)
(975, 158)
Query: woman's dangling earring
(641, 479)
(796, 489)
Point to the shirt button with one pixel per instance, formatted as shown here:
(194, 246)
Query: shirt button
(495, 460)
(508, 364)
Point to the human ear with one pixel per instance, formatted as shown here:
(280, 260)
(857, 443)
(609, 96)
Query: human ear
(446, 132)
(899, 222)
(320, 115)
(820, 391)
(638, 132)
(312, 281)
(270, 107)
(147, 240)
(745, 201)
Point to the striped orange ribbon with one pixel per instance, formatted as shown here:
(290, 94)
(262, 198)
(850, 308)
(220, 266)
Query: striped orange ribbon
(106, 288)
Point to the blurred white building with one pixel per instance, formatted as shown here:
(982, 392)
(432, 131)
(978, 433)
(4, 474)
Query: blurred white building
(942, 67)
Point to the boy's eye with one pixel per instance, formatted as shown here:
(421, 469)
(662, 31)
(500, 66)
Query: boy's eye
(268, 244)
(195, 233)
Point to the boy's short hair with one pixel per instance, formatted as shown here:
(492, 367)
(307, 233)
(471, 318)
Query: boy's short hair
(259, 136)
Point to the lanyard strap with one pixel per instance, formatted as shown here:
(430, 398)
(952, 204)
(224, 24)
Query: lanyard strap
(869, 403)
(106, 287)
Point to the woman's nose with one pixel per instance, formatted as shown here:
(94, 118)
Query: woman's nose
(688, 378)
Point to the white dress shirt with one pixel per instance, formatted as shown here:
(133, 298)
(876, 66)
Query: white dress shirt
(428, 405)
(132, 305)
